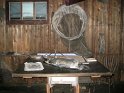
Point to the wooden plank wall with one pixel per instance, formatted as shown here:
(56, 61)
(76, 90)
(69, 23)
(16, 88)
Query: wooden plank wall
(102, 18)
(32, 38)
(122, 38)
(105, 18)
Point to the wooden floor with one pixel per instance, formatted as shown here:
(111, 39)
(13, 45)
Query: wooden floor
(117, 88)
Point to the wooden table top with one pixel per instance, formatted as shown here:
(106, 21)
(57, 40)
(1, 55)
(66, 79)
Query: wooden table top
(96, 69)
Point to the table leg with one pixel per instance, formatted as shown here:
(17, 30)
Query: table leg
(77, 88)
(48, 88)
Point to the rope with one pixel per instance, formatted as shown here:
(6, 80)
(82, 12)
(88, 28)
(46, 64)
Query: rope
(62, 11)
(101, 43)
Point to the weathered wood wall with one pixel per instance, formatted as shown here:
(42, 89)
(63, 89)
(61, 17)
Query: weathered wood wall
(103, 18)
(122, 40)
(31, 38)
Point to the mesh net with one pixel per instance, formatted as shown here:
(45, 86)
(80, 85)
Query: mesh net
(69, 22)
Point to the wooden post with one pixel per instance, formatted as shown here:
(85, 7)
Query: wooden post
(77, 88)
(47, 88)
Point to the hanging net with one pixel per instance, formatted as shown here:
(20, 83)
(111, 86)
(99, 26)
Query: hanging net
(69, 22)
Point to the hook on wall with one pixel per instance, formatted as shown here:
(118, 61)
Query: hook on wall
(1, 13)
(103, 1)
(70, 2)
